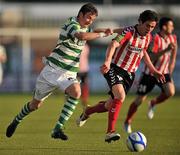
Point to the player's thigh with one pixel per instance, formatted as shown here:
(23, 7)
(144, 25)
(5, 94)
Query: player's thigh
(146, 84)
(43, 89)
(108, 103)
(169, 88)
(139, 99)
(119, 92)
(74, 90)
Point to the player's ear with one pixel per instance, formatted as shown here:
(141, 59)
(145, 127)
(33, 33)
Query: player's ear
(140, 22)
(164, 27)
(81, 14)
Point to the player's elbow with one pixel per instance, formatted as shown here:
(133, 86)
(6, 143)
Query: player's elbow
(81, 36)
(114, 44)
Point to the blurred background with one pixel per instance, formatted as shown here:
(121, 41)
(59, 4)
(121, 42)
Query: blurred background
(29, 30)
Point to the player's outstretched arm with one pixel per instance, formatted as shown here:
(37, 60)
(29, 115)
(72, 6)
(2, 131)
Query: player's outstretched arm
(109, 54)
(173, 59)
(153, 70)
(118, 30)
(154, 56)
(99, 33)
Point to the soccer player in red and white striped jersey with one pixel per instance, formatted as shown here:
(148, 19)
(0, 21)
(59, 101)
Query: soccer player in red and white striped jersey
(162, 51)
(123, 56)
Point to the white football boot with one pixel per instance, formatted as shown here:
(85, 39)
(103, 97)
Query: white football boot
(127, 128)
(150, 113)
(112, 137)
(82, 120)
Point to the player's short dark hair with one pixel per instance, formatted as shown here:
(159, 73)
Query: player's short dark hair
(88, 7)
(148, 15)
(163, 21)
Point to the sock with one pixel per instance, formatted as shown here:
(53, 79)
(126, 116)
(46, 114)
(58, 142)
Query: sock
(132, 110)
(162, 97)
(98, 108)
(113, 114)
(66, 112)
(24, 112)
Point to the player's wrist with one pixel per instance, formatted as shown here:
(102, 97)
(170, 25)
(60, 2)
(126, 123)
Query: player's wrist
(102, 34)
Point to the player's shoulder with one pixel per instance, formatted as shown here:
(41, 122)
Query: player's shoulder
(174, 36)
(72, 21)
(155, 36)
(128, 30)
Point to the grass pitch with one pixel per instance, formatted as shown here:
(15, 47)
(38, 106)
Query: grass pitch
(32, 137)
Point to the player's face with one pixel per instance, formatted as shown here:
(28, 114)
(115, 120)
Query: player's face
(87, 19)
(147, 27)
(169, 27)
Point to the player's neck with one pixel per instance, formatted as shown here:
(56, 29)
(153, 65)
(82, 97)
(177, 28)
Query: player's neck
(164, 35)
(139, 30)
(79, 21)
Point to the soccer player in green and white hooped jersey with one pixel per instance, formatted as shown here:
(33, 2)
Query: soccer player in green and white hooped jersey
(61, 68)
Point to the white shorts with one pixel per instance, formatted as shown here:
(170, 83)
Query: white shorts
(53, 78)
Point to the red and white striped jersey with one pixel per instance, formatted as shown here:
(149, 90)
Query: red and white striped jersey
(131, 50)
(160, 43)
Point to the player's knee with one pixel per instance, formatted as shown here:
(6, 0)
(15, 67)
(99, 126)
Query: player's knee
(76, 94)
(34, 105)
(170, 93)
(138, 103)
(121, 98)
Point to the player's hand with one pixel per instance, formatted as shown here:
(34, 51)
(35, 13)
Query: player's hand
(171, 46)
(160, 77)
(105, 68)
(108, 32)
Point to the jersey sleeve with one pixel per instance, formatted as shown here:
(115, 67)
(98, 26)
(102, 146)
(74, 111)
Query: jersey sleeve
(124, 36)
(73, 29)
(175, 38)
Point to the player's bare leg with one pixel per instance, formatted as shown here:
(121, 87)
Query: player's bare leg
(131, 112)
(169, 91)
(114, 109)
(101, 107)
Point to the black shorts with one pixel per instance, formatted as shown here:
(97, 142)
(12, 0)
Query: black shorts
(147, 83)
(82, 76)
(117, 75)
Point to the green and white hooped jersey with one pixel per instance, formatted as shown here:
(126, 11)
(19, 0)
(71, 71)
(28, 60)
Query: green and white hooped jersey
(66, 55)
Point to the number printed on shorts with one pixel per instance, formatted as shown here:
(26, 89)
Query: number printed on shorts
(142, 88)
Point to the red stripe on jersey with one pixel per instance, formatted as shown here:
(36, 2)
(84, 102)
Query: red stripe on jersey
(129, 53)
(137, 63)
(155, 44)
(136, 59)
(160, 48)
(148, 38)
(170, 38)
(166, 66)
(163, 62)
(127, 33)
(175, 39)
(119, 53)
(160, 43)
